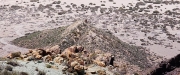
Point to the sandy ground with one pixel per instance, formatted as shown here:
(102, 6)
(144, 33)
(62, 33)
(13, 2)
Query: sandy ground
(17, 24)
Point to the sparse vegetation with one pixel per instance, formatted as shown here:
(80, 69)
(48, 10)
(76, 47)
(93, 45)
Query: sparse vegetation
(47, 38)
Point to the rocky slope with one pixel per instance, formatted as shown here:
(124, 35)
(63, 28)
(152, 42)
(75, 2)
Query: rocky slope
(74, 60)
(168, 67)
(82, 33)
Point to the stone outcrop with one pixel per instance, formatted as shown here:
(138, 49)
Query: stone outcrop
(168, 67)
(84, 34)
(13, 55)
(54, 50)
(74, 58)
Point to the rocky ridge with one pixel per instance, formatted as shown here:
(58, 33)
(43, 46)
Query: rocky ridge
(83, 34)
(73, 60)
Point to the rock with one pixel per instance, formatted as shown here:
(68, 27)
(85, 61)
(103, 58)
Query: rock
(37, 52)
(28, 54)
(69, 52)
(51, 62)
(42, 52)
(80, 48)
(70, 69)
(64, 68)
(13, 55)
(101, 72)
(79, 67)
(30, 51)
(81, 62)
(30, 58)
(73, 49)
(93, 72)
(165, 66)
(47, 58)
(85, 68)
(55, 67)
(111, 61)
(23, 56)
(100, 63)
(9, 68)
(38, 57)
(98, 51)
(73, 64)
(58, 60)
(54, 50)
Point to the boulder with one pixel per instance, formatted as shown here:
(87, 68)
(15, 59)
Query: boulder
(73, 64)
(100, 63)
(79, 67)
(38, 57)
(23, 56)
(80, 61)
(101, 72)
(80, 48)
(42, 52)
(47, 58)
(58, 60)
(64, 68)
(165, 67)
(97, 51)
(30, 58)
(69, 52)
(54, 50)
(13, 55)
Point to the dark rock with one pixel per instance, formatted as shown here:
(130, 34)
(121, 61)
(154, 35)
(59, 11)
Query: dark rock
(167, 66)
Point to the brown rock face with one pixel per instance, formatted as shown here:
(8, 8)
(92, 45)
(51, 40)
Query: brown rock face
(58, 60)
(79, 67)
(70, 52)
(13, 55)
(54, 50)
(100, 63)
(47, 58)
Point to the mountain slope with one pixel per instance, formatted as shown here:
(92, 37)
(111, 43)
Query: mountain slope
(82, 33)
